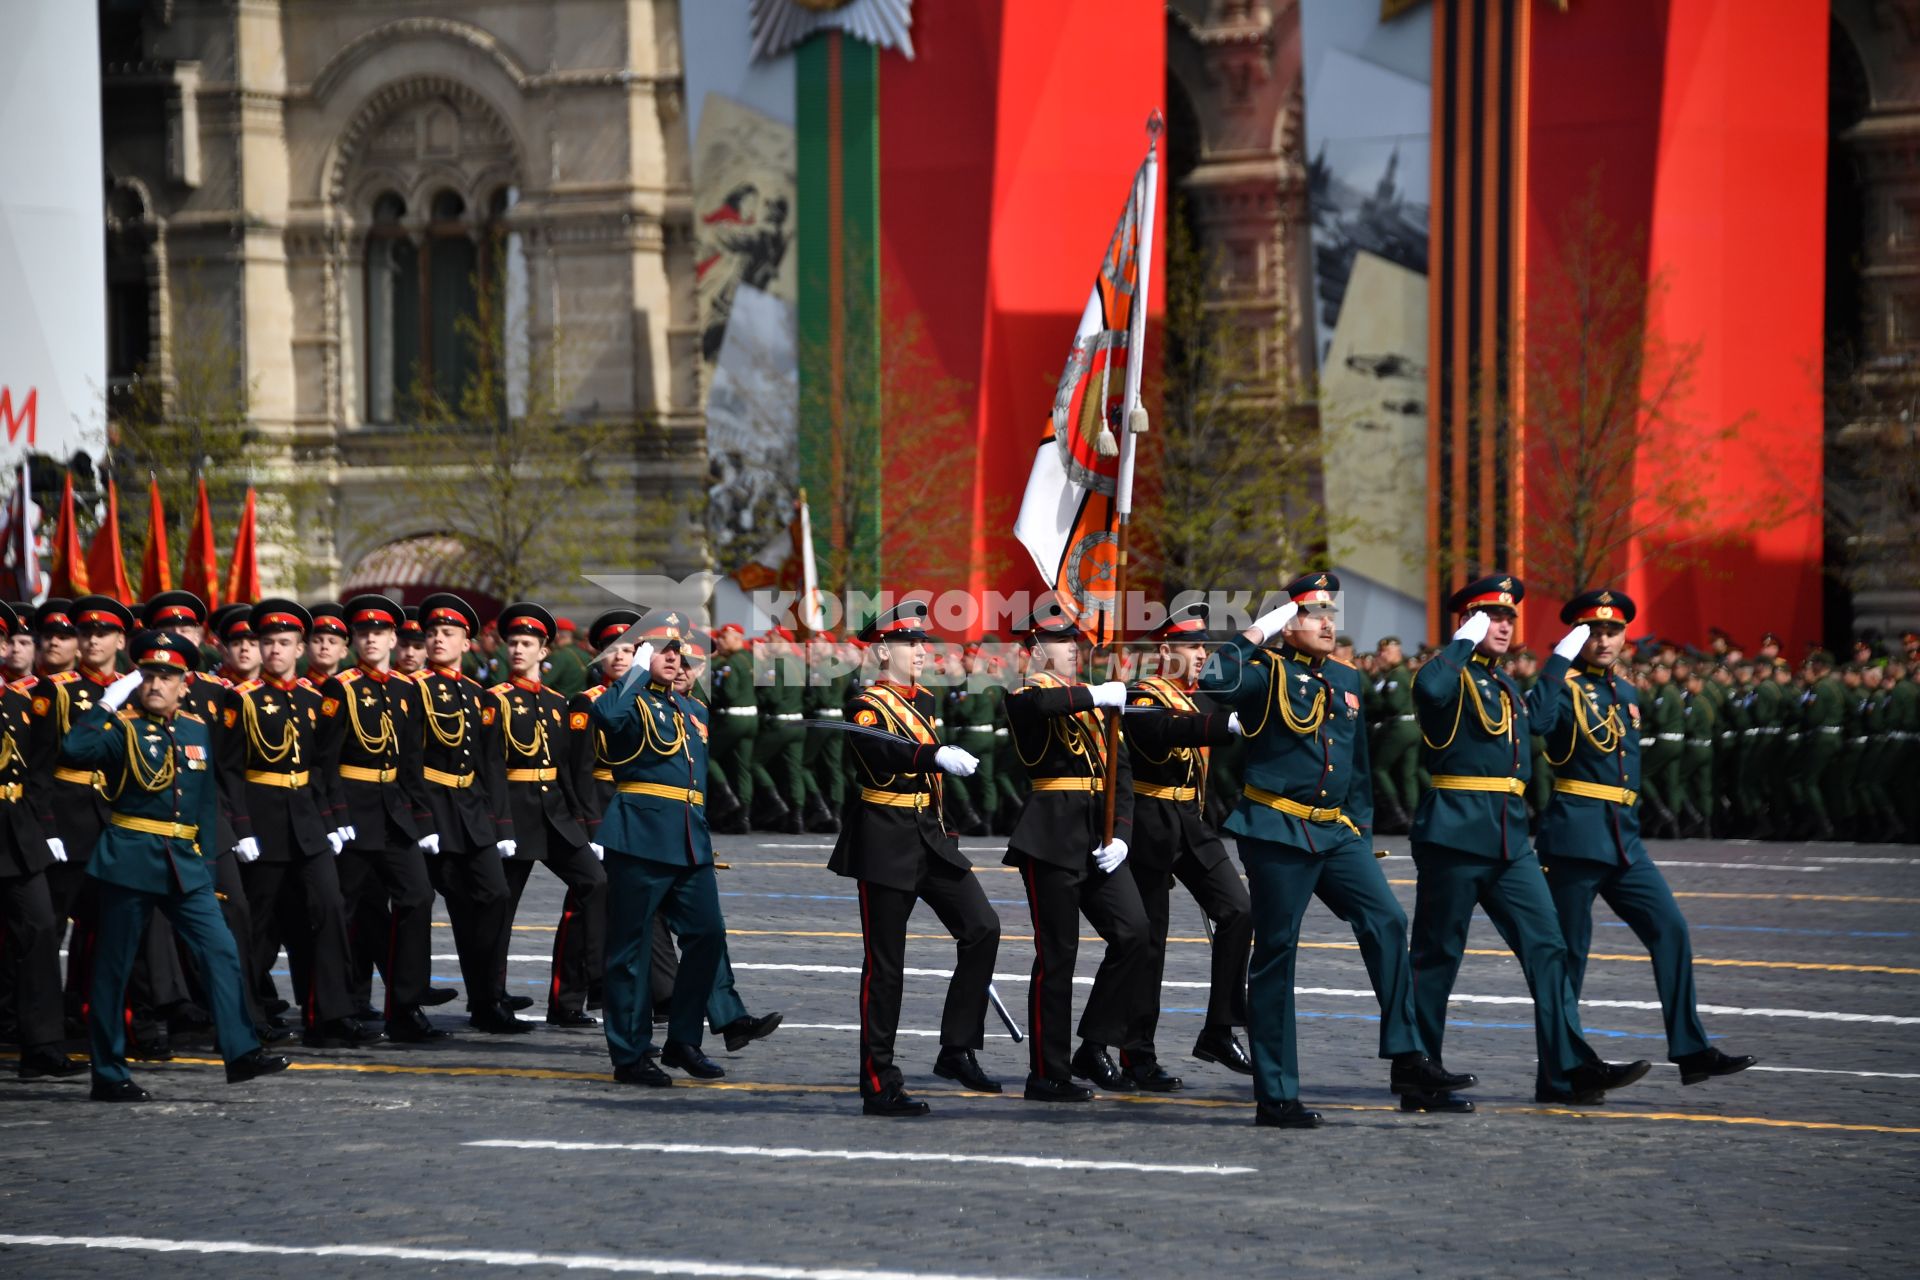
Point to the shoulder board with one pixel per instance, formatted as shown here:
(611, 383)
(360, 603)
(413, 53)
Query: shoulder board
(25, 683)
(128, 713)
(1342, 662)
(64, 677)
(592, 694)
(1042, 680)
(348, 676)
(185, 714)
(303, 683)
(503, 688)
(210, 677)
(248, 686)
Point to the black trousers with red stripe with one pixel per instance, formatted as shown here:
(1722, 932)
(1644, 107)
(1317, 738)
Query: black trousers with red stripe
(30, 942)
(1223, 897)
(1057, 897)
(961, 905)
(312, 882)
(580, 942)
(398, 878)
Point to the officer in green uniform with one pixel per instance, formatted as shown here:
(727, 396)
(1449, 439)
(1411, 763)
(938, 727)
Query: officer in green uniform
(1663, 735)
(659, 857)
(1730, 722)
(820, 759)
(1304, 826)
(1823, 713)
(159, 767)
(1590, 841)
(1903, 728)
(735, 717)
(1396, 743)
(1699, 725)
(780, 784)
(1757, 765)
(1470, 841)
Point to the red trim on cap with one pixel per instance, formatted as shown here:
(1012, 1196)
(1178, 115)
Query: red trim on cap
(528, 621)
(56, 620)
(378, 617)
(162, 658)
(1191, 624)
(277, 619)
(903, 624)
(174, 613)
(101, 615)
(444, 614)
(733, 627)
(1600, 613)
(1503, 599)
(564, 624)
(239, 628)
(1316, 595)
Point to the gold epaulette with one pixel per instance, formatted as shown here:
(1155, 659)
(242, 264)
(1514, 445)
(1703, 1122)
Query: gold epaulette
(128, 713)
(64, 677)
(248, 686)
(346, 677)
(503, 688)
(185, 714)
(304, 683)
(593, 694)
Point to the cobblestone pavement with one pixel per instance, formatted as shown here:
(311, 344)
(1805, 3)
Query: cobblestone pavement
(1807, 957)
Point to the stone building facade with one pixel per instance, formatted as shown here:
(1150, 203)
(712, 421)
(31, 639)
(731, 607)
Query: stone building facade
(326, 175)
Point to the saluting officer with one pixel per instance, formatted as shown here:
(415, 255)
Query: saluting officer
(1590, 838)
(1304, 825)
(1171, 750)
(370, 740)
(298, 819)
(549, 817)
(896, 846)
(1470, 843)
(159, 765)
(593, 785)
(1068, 864)
(31, 929)
(659, 858)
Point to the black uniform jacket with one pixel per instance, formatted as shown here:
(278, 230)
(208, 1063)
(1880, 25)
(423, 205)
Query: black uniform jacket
(540, 769)
(895, 815)
(463, 769)
(1169, 757)
(1061, 741)
(370, 741)
(291, 802)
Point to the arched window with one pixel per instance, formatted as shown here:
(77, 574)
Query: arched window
(422, 283)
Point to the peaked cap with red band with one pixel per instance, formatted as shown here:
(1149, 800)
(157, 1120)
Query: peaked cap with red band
(54, 617)
(366, 611)
(904, 623)
(164, 651)
(443, 608)
(524, 618)
(1601, 605)
(233, 622)
(171, 608)
(270, 616)
(102, 611)
(1182, 626)
(1495, 591)
(610, 626)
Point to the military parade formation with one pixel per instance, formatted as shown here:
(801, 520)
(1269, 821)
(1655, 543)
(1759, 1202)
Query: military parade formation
(188, 796)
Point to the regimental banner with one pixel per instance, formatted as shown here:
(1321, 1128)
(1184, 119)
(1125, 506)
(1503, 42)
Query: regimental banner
(53, 328)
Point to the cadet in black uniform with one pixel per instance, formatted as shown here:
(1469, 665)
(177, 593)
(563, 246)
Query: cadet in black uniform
(895, 845)
(1067, 863)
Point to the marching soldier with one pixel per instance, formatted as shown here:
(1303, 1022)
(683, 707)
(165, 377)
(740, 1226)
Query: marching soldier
(159, 765)
(1303, 823)
(780, 693)
(1396, 747)
(566, 667)
(328, 640)
(469, 829)
(820, 755)
(1069, 865)
(549, 818)
(1699, 721)
(659, 858)
(1590, 841)
(30, 928)
(370, 727)
(1470, 842)
(736, 721)
(898, 850)
(1822, 721)
(1663, 736)
(410, 644)
(296, 815)
(1170, 751)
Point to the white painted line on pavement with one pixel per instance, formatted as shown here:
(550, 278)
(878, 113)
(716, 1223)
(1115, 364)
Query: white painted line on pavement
(1831, 1071)
(1872, 862)
(482, 1257)
(1734, 866)
(885, 1157)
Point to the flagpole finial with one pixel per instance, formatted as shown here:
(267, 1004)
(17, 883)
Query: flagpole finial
(1156, 125)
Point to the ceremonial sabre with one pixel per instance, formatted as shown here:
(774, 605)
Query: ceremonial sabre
(1000, 1008)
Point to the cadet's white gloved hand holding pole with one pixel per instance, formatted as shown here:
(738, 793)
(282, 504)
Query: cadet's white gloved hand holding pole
(1475, 626)
(1573, 642)
(955, 761)
(120, 690)
(1110, 855)
(1110, 693)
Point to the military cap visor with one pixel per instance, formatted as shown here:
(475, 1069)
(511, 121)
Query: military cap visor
(904, 623)
(272, 616)
(444, 609)
(1495, 591)
(409, 627)
(527, 619)
(54, 617)
(365, 613)
(235, 622)
(9, 620)
(162, 651)
(1601, 605)
(1185, 625)
(174, 608)
(610, 626)
(102, 611)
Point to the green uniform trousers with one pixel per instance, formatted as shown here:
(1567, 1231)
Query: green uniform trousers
(1809, 781)
(1639, 895)
(1396, 764)
(777, 764)
(636, 889)
(1514, 895)
(723, 1006)
(1281, 880)
(123, 917)
(730, 755)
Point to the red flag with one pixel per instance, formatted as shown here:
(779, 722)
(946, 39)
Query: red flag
(106, 569)
(243, 571)
(199, 574)
(156, 568)
(68, 577)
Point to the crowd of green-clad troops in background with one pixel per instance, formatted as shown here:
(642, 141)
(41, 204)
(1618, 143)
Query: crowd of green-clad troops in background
(1735, 745)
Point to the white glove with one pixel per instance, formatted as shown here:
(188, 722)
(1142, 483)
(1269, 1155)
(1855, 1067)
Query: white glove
(1109, 856)
(248, 849)
(1234, 726)
(643, 657)
(1573, 642)
(506, 847)
(1273, 623)
(120, 690)
(1112, 693)
(349, 833)
(429, 843)
(1475, 626)
(599, 851)
(955, 761)
(58, 848)
(336, 842)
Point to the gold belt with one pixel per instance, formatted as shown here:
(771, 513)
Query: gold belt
(1067, 784)
(603, 775)
(81, 777)
(154, 827)
(360, 773)
(1459, 782)
(1596, 791)
(534, 775)
(896, 799)
(1162, 791)
(683, 794)
(12, 790)
(267, 778)
(458, 781)
(1294, 809)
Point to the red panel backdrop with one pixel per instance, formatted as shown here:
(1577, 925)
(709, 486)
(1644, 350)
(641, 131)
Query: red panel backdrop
(1706, 121)
(1006, 148)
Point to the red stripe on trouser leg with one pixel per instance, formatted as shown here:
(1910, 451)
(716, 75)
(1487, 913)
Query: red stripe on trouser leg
(1036, 990)
(559, 950)
(866, 990)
